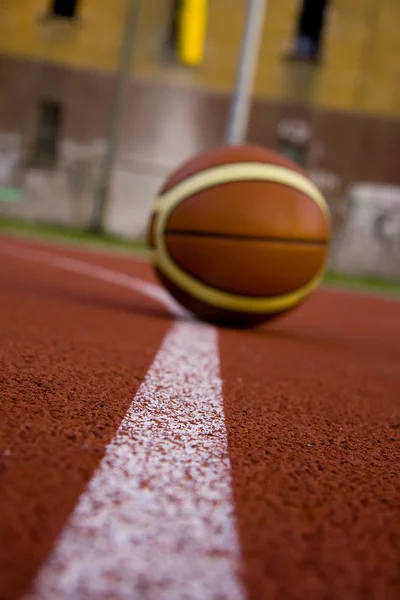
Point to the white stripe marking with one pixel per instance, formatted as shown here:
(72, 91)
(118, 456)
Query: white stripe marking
(157, 519)
(78, 266)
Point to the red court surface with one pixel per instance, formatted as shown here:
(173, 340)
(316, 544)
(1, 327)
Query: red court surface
(269, 458)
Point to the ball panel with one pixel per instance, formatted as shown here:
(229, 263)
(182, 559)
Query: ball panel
(251, 208)
(162, 260)
(248, 268)
(211, 314)
(227, 155)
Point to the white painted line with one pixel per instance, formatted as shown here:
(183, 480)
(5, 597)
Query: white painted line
(148, 289)
(157, 520)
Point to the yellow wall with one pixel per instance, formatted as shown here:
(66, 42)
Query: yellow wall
(91, 42)
(361, 69)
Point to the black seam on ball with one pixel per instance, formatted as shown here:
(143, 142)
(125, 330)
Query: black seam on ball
(244, 237)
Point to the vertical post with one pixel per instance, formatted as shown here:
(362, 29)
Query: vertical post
(248, 59)
(107, 164)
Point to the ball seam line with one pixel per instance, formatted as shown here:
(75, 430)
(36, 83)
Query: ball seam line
(244, 237)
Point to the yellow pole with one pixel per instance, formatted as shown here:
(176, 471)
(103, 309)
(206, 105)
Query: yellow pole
(192, 28)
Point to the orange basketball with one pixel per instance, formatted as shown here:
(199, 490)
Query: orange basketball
(239, 235)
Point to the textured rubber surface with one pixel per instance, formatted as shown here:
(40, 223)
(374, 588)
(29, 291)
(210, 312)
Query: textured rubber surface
(73, 353)
(312, 407)
(312, 412)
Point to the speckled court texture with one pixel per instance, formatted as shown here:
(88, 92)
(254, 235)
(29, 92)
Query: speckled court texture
(145, 456)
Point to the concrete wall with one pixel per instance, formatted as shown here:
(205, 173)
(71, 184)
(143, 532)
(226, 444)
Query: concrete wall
(369, 241)
(166, 124)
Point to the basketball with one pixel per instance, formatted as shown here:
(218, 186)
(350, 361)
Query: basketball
(239, 235)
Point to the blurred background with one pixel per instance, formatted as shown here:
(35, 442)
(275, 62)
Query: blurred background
(102, 99)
